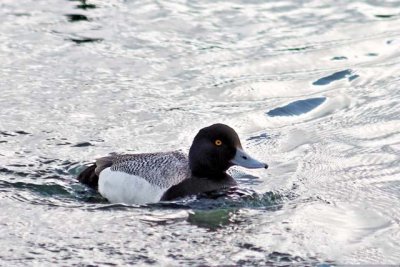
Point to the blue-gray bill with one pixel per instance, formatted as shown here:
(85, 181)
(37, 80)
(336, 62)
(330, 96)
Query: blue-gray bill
(245, 160)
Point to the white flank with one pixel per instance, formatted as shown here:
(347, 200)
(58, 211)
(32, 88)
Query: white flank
(121, 187)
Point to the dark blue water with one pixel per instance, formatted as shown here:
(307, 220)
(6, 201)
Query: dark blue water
(311, 88)
(297, 107)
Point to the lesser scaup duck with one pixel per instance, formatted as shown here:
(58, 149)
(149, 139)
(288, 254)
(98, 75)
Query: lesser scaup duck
(153, 177)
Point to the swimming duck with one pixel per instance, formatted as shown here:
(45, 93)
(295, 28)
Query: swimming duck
(163, 176)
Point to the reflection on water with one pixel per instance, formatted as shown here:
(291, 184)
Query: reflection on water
(83, 4)
(297, 107)
(212, 219)
(76, 17)
(84, 40)
(312, 89)
(333, 77)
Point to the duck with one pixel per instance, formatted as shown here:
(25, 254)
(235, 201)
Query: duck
(165, 176)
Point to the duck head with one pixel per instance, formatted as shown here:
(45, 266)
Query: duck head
(216, 148)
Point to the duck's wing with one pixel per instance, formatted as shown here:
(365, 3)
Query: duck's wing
(162, 169)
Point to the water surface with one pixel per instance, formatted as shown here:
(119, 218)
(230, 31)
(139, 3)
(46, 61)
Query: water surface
(312, 88)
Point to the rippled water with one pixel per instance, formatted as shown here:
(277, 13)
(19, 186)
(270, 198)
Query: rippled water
(312, 87)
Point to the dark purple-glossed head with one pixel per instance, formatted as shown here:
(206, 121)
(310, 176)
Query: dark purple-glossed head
(216, 148)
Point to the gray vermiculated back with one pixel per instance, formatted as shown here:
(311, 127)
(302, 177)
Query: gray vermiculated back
(162, 169)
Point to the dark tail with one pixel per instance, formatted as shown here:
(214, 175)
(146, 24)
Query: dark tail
(89, 177)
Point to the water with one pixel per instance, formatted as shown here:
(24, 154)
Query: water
(311, 87)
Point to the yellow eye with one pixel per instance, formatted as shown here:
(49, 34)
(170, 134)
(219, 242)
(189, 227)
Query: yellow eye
(218, 142)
